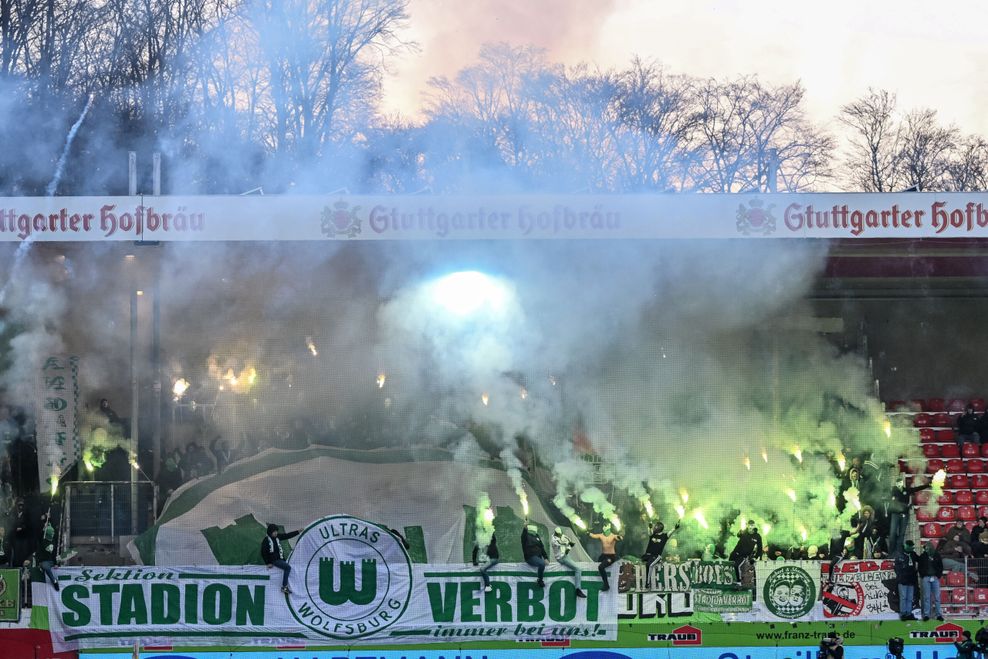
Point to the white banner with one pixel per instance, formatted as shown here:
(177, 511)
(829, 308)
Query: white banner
(56, 413)
(787, 591)
(519, 217)
(860, 590)
(352, 583)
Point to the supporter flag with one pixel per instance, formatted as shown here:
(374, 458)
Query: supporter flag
(57, 415)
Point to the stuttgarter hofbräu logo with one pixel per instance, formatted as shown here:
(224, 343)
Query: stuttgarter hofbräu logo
(340, 220)
(789, 592)
(756, 218)
(357, 578)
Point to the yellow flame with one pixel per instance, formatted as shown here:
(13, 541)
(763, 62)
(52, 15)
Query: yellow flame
(744, 521)
(766, 528)
(311, 346)
(251, 376)
(684, 495)
(832, 499)
(488, 515)
(54, 484)
(523, 393)
(484, 398)
(649, 510)
(746, 461)
(180, 387)
(841, 460)
(523, 497)
(939, 478)
(791, 493)
(381, 379)
(680, 510)
(580, 523)
(765, 454)
(552, 380)
(803, 532)
(88, 464)
(701, 520)
(887, 426)
(798, 453)
(616, 522)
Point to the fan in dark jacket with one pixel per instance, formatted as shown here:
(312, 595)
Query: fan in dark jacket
(493, 556)
(534, 551)
(274, 554)
(907, 576)
(898, 509)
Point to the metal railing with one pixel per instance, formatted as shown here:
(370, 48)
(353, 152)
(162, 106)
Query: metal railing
(99, 512)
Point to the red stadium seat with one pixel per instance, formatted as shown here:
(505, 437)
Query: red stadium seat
(935, 405)
(945, 435)
(946, 514)
(942, 420)
(927, 435)
(953, 579)
(981, 595)
(978, 404)
(958, 482)
(956, 405)
(945, 595)
(971, 450)
(946, 499)
(923, 497)
(956, 466)
(933, 466)
(958, 595)
(979, 481)
(964, 498)
(975, 466)
(925, 515)
(932, 531)
(984, 450)
(950, 451)
(982, 511)
(922, 420)
(981, 498)
(967, 514)
(931, 450)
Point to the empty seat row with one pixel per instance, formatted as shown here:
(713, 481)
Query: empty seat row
(969, 450)
(941, 435)
(935, 405)
(953, 498)
(941, 420)
(953, 466)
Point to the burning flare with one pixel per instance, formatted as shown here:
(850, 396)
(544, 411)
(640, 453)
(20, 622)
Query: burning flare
(523, 497)
(649, 510)
(700, 519)
(765, 454)
(311, 346)
(684, 495)
(841, 460)
(489, 515)
(616, 522)
(791, 493)
(887, 425)
(523, 393)
(680, 510)
(180, 387)
(381, 379)
(798, 453)
(746, 461)
(484, 398)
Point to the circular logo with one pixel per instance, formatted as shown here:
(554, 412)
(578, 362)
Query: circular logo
(356, 578)
(789, 592)
(843, 600)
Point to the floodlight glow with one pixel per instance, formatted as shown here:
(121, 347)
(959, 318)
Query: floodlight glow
(468, 292)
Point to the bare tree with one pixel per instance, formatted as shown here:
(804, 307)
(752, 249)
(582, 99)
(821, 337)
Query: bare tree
(875, 142)
(968, 169)
(926, 150)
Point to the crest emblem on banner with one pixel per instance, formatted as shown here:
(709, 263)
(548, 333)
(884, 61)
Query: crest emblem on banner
(789, 592)
(756, 218)
(340, 220)
(357, 578)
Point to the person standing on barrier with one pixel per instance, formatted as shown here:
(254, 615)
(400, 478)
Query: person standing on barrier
(930, 570)
(748, 548)
(45, 555)
(561, 547)
(907, 575)
(656, 545)
(608, 553)
(493, 558)
(900, 501)
(534, 551)
(274, 554)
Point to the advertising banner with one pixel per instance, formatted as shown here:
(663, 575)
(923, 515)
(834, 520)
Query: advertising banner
(56, 412)
(507, 217)
(10, 595)
(351, 583)
(860, 590)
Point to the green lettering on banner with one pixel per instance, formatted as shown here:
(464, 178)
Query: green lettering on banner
(191, 603)
(530, 607)
(497, 603)
(165, 604)
(562, 601)
(133, 607)
(105, 594)
(250, 606)
(10, 595)
(78, 613)
(469, 601)
(442, 601)
(592, 589)
(217, 604)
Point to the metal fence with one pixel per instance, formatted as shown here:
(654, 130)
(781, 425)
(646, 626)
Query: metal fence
(99, 512)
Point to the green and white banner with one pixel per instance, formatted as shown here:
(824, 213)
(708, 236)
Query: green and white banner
(10, 595)
(57, 415)
(786, 591)
(352, 583)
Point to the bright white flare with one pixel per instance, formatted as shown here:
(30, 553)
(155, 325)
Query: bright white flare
(468, 292)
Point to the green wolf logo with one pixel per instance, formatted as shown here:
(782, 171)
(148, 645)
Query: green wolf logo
(347, 586)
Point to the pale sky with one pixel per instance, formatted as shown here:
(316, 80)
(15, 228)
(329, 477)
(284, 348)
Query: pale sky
(930, 54)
